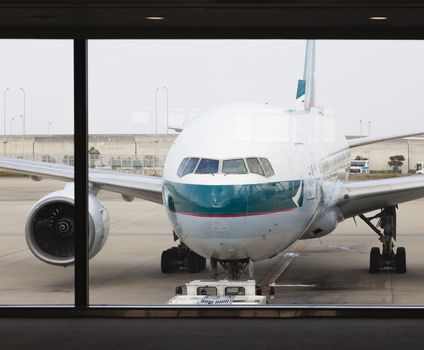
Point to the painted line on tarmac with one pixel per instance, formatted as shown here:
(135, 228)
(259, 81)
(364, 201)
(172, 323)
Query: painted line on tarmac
(280, 267)
(13, 253)
(293, 285)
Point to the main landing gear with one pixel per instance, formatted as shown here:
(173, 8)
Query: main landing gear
(182, 258)
(386, 230)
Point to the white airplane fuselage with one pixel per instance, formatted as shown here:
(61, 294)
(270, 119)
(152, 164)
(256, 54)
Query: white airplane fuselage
(240, 216)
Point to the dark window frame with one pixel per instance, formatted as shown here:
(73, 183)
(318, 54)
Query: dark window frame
(82, 307)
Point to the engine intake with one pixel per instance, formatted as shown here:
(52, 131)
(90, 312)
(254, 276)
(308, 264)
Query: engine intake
(50, 227)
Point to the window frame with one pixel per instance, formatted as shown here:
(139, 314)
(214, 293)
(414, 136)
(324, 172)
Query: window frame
(82, 308)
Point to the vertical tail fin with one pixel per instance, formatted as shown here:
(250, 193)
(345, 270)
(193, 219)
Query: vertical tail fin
(305, 95)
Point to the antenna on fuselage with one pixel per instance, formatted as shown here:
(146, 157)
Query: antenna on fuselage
(305, 96)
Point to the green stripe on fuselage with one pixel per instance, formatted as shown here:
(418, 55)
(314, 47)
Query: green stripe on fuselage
(229, 200)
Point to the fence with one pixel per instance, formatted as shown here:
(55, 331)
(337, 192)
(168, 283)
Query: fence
(137, 164)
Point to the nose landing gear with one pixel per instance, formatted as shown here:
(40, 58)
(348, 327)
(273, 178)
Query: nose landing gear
(182, 258)
(386, 230)
(233, 268)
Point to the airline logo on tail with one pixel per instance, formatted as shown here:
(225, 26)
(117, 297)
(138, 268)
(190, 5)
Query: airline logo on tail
(305, 95)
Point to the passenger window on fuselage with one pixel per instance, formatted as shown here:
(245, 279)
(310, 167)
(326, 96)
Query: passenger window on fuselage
(231, 291)
(207, 166)
(211, 291)
(267, 167)
(180, 171)
(191, 165)
(254, 166)
(234, 166)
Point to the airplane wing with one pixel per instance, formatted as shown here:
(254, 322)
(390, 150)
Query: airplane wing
(358, 197)
(129, 185)
(362, 141)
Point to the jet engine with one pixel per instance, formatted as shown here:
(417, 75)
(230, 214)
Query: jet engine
(50, 227)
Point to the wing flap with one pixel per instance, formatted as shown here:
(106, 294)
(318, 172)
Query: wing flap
(138, 186)
(359, 197)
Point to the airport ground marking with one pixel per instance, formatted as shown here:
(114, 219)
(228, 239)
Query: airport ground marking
(280, 267)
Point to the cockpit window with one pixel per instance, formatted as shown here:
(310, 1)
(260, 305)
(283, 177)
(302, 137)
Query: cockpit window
(180, 171)
(191, 165)
(207, 166)
(267, 167)
(260, 166)
(234, 166)
(255, 166)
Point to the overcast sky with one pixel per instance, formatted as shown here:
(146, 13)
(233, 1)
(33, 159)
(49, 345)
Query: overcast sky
(376, 81)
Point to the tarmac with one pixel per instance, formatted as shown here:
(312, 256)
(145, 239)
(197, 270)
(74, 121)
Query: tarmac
(327, 271)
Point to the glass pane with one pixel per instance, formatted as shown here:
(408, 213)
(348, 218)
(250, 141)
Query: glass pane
(37, 217)
(267, 167)
(254, 166)
(182, 166)
(234, 291)
(234, 166)
(167, 231)
(207, 166)
(191, 165)
(206, 291)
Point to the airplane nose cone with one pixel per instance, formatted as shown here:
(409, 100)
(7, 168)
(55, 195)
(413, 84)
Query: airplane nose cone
(219, 203)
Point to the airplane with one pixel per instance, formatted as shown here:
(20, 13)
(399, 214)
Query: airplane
(241, 183)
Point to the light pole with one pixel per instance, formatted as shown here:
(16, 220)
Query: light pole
(48, 128)
(4, 115)
(156, 112)
(167, 109)
(24, 115)
(23, 134)
(360, 122)
(11, 121)
(369, 128)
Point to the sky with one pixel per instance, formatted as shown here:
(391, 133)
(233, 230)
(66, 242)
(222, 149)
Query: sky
(378, 82)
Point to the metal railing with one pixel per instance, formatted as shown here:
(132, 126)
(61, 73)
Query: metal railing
(138, 164)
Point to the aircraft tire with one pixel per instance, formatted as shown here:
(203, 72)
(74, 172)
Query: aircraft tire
(400, 260)
(166, 262)
(375, 260)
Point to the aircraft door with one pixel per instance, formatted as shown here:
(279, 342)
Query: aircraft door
(311, 172)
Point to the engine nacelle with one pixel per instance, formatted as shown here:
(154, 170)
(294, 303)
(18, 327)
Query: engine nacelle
(50, 229)
(323, 225)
